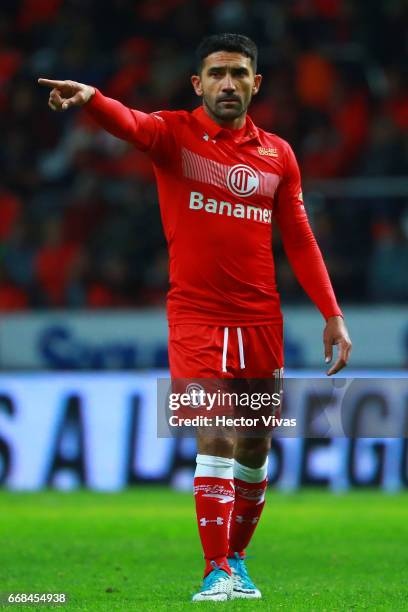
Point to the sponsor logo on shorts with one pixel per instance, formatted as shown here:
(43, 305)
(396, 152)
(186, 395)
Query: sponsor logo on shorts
(196, 393)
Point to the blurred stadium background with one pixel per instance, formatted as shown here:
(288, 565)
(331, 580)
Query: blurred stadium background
(83, 263)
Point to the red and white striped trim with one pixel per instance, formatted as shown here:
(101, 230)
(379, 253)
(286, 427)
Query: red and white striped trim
(225, 350)
(240, 349)
(204, 170)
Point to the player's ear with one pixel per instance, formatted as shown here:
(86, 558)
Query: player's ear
(257, 84)
(196, 82)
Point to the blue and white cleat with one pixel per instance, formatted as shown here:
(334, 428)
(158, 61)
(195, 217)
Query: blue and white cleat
(242, 585)
(217, 586)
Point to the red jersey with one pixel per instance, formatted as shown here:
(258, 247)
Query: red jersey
(221, 191)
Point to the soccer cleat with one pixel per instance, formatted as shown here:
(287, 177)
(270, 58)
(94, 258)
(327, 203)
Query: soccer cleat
(217, 586)
(242, 585)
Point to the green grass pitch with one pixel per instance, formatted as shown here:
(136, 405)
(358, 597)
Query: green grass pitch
(139, 550)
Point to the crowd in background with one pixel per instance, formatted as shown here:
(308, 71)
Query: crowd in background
(79, 220)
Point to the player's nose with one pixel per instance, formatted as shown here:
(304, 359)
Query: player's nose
(228, 85)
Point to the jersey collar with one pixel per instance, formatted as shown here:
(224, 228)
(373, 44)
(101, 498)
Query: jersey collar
(213, 129)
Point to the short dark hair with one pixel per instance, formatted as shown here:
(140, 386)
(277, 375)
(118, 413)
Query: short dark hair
(235, 43)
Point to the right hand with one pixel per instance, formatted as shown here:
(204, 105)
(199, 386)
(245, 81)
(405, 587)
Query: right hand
(65, 94)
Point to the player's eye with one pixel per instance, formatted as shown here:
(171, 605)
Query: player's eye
(240, 73)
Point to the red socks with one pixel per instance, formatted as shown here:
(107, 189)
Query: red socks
(250, 489)
(214, 497)
(249, 503)
(227, 518)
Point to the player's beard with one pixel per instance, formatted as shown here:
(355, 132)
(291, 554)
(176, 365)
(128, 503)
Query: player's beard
(226, 112)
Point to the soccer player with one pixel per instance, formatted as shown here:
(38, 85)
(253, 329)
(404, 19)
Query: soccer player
(223, 183)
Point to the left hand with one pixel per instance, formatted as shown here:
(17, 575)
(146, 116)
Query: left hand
(336, 332)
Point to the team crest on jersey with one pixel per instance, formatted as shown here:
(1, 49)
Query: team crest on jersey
(242, 180)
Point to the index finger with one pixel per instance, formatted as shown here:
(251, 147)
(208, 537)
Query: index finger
(341, 362)
(51, 83)
(339, 365)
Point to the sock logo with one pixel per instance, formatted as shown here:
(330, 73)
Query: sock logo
(218, 490)
(240, 519)
(257, 495)
(204, 521)
(223, 499)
